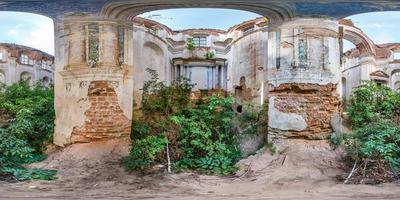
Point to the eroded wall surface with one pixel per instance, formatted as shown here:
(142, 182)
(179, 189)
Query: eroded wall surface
(38, 66)
(303, 74)
(93, 79)
(100, 70)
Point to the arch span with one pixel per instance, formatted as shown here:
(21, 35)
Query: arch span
(363, 43)
(274, 9)
(128, 9)
(27, 77)
(153, 58)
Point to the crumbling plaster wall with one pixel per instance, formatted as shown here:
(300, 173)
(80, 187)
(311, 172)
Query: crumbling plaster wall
(299, 60)
(12, 68)
(247, 61)
(149, 51)
(303, 74)
(74, 75)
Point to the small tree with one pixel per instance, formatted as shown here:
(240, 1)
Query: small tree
(209, 55)
(190, 45)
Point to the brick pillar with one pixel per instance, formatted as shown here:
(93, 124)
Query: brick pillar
(303, 74)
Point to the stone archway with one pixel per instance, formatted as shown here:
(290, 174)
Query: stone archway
(46, 81)
(154, 58)
(397, 85)
(26, 77)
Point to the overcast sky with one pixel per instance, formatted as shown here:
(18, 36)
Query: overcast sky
(37, 31)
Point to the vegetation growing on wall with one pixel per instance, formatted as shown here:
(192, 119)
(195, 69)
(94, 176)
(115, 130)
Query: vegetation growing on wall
(373, 148)
(30, 124)
(190, 45)
(183, 134)
(209, 55)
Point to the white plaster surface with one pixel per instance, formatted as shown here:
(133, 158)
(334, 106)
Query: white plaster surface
(284, 121)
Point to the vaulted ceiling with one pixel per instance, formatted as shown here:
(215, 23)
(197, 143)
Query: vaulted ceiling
(274, 9)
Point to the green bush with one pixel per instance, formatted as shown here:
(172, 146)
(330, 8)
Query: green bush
(200, 135)
(205, 135)
(23, 174)
(371, 102)
(13, 151)
(144, 151)
(378, 141)
(31, 109)
(374, 142)
(160, 98)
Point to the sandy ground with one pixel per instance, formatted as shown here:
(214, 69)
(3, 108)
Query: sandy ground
(301, 170)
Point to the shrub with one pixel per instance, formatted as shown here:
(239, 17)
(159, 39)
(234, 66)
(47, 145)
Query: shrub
(160, 98)
(206, 137)
(375, 147)
(190, 45)
(32, 110)
(374, 144)
(199, 135)
(22, 141)
(209, 55)
(144, 151)
(371, 102)
(13, 151)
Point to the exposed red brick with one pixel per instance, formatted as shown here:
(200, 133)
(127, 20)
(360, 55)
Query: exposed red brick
(105, 118)
(316, 103)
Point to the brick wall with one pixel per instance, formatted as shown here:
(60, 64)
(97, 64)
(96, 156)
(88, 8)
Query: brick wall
(105, 118)
(315, 103)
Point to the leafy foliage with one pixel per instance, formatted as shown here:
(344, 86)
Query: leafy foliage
(13, 151)
(31, 110)
(371, 102)
(209, 55)
(23, 174)
(160, 98)
(199, 134)
(190, 44)
(206, 138)
(144, 152)
(375, 141)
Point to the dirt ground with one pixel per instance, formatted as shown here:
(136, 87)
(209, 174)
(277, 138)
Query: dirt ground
(300, 170)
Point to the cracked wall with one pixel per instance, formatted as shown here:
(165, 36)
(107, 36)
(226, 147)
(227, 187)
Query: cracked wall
(82, 114)
(104, 118)
(303, 110)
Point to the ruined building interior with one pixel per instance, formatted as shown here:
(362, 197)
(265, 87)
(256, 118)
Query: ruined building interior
(290, 59)
(21, 63)
(368, 61)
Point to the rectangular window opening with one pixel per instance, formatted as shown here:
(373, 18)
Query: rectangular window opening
(200, 41)
(24, 59)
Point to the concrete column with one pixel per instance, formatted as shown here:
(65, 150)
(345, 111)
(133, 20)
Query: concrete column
(303, 78)
(92, 101)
